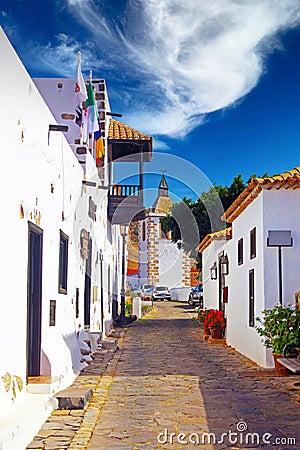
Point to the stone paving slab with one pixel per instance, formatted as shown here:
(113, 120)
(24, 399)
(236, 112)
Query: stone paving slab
(65, 423)
(164, 379)
(169, 380)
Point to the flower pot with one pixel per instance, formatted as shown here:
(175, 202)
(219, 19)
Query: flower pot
(279, 368)
(206, 330)
(216, 332)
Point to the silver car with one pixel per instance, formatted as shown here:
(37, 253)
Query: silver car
(145, 290)
(161, 293)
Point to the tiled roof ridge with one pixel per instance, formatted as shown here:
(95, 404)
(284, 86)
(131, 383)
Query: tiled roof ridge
(119, 130)
(293, 173)
(226, 233)
(287, 180)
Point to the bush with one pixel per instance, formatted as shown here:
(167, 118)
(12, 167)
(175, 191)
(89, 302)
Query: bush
(128, 307)
(279, 326)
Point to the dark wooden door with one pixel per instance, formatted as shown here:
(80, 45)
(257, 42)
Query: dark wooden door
(251, 298)
(34, 299)
(87, 286)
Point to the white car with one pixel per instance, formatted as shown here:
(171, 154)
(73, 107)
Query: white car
(145, 290)
(161, 293)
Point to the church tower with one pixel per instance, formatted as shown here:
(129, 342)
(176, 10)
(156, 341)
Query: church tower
(163, 202)
(161, 261)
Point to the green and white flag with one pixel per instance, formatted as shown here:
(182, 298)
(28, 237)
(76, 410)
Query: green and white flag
(90, 114)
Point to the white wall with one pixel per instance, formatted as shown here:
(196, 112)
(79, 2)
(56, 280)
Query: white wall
(238, 333)
(211, 287)
(41, 183)
(281, 212)
(31, 169)
(43, 179)
(105, 236)
(170, 264)
(273, 209)
(60, 100)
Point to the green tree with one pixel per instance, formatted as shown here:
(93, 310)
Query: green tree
(207, 212)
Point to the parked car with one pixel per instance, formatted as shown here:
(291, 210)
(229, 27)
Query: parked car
(144, 290)
(196, 296)
(161, 293)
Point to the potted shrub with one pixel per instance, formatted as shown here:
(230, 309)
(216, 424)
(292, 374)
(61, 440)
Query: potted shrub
(216, 323)
(213, 321)
(202, 317)
(279, 326)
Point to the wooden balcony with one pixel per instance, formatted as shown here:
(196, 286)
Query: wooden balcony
(126, 143)
(125, 203)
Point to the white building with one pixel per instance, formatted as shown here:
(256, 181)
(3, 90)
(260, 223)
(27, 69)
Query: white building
(61, 243)
(252, 282)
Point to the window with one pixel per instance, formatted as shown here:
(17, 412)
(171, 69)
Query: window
(251, 298)
(143, 230)
(240, 252)
(77, 303)
(52, 315)
(63, 263)
(253, 243)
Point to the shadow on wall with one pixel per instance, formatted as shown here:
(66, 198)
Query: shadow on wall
(75, 344)
(45, 365)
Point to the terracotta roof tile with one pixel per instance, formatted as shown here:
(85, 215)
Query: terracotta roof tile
(225, 234)
(118, 130)
(286, 180)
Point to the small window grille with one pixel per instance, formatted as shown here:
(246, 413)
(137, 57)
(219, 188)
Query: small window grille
(52, 315)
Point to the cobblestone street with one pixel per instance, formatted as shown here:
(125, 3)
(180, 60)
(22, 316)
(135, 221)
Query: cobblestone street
(165, 379)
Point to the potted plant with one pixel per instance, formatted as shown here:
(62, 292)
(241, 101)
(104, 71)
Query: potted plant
(214, 321)
(202, 317)
(279, 326)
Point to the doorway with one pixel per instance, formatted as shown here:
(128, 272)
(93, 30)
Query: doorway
(34, 299)
(87, 286)
(251, 298)
(221, 282)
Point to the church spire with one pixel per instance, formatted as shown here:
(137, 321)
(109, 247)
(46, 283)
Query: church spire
(163, 186)
(163, 202)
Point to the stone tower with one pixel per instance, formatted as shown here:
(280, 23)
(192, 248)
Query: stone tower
(161, 261)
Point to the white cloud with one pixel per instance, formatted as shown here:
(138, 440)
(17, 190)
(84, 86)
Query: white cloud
(160, 145)
(91, 17)
(194, 57)
(62, 55)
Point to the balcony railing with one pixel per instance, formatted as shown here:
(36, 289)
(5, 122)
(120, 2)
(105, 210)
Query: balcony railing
(125, 202)
(124, 190)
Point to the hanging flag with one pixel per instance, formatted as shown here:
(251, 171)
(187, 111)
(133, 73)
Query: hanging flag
(90, 114)
(80, 94)
(99, 145)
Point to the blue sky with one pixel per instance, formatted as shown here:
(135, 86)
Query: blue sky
(216, 83)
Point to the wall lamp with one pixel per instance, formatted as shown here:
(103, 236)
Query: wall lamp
(224, 263)
(213, 271)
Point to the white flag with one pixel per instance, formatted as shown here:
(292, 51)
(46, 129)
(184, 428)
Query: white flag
(80, 94)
